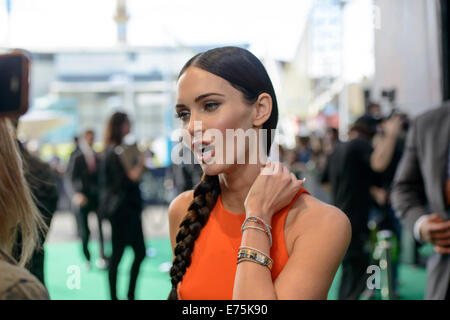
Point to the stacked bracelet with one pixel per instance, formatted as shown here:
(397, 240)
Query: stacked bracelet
(260, 221)
(254, 255)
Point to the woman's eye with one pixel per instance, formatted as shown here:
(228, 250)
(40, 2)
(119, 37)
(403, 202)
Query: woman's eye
(211, 106)
(182, 115)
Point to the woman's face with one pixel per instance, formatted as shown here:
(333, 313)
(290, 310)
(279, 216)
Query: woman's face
(126, 127)
(205, 98)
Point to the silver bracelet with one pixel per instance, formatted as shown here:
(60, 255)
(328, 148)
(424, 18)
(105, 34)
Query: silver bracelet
(261, 229)
(260, 221)
(257, 220)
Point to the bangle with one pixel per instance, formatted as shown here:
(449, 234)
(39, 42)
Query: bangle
(257, 220)
(253, 258)
(261, 229)
(254, 255)
(260, 221)
(254, 249)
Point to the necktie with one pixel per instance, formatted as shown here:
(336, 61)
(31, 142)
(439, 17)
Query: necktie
(90, 159)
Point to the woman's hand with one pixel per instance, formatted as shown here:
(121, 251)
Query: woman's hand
(79, 199)
(273, 189)
(135, 173)
(436, 231)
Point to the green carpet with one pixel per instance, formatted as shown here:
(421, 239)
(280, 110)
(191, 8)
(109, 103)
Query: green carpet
(64, 264)
(60, 257)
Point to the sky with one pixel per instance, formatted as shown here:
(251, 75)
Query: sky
(271, 27)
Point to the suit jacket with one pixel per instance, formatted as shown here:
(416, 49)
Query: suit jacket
(419, 185)
(84, 181)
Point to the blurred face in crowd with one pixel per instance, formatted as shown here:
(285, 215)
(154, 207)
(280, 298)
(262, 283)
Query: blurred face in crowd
(203, 96)
(331, 136)
(375, 111)
(89, 138)
(126, 127)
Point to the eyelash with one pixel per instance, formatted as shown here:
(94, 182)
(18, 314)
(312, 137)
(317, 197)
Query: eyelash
(181, 115)
(215, 104)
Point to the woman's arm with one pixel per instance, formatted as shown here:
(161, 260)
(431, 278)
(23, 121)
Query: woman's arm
(254, 281)
(134, 174)
(273, 189)
(316, 255)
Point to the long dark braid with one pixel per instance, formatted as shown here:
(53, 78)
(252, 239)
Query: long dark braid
(205, 197)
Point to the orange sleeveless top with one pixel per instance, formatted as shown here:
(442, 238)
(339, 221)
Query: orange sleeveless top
(213, 261)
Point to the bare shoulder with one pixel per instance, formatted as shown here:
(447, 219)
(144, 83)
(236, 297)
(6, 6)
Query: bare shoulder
(178, 207)
(317, 240)
(177, 210)
(310, 215)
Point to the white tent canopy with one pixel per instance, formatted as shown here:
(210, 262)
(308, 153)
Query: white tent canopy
(35, 124)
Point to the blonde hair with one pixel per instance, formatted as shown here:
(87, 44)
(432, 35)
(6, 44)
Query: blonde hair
(17, 208)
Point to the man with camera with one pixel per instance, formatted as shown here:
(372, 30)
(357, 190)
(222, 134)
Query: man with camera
(351, 171)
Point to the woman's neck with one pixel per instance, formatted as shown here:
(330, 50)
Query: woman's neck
(235, 186)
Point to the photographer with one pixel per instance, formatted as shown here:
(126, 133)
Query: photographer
(353, 168)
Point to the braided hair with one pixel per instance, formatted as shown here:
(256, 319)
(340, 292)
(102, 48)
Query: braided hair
(205, 197)
(247, 74)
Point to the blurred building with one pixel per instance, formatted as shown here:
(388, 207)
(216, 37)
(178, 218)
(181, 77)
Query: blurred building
(408, 51)
(85, 86)
(324, 83)
(355, 50)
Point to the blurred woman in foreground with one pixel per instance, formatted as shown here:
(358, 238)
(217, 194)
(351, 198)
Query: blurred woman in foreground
(17, 212)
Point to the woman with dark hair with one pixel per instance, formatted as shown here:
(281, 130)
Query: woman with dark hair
(120, 201)
(247, 230)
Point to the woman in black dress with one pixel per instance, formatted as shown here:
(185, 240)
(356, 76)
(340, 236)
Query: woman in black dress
(121, 202)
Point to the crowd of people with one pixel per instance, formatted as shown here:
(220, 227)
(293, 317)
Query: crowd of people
(106, 185)
(392, 171)
(382, 178)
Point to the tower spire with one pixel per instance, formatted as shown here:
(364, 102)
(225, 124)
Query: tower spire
(121, 18)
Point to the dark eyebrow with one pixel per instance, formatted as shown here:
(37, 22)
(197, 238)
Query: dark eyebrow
(207, 95)
(180, 105)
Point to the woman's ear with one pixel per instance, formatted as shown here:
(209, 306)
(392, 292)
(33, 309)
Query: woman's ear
(263, 109)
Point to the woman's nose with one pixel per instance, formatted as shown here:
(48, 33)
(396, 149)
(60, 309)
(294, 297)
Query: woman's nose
(195, 126)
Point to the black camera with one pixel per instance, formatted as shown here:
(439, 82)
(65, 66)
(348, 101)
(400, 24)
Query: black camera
(14, 83)
(389, 94)
(403, 116)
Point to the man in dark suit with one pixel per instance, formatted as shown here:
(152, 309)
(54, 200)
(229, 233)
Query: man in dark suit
(85, 182)
(352, 169)
(421, 193)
